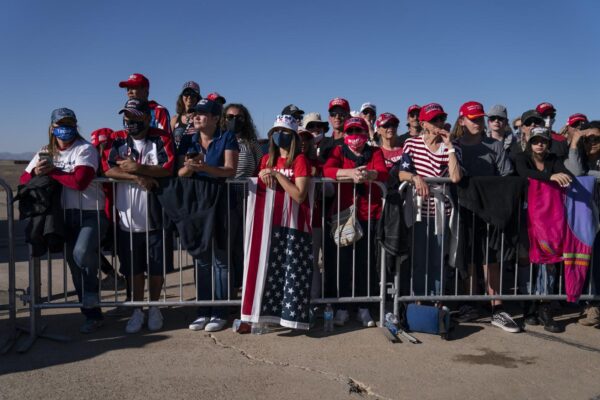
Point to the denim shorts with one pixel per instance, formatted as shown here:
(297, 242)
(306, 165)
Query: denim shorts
(137, 242)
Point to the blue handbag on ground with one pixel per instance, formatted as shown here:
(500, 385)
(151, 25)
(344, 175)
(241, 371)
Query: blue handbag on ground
(428, 319)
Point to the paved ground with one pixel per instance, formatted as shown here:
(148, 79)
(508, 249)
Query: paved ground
(481, 362)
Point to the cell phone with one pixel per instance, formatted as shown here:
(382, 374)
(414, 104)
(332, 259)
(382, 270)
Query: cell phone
(44, 155)
(190, 155)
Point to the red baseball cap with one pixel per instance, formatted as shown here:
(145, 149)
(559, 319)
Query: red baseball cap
(385, 118)
(356, 122)
(339, 102)
(101, 135)
(545, 109)
(575, 118)
(135, 80)
(214, 96)
(430, 111)
(414, 107)
(471, 110)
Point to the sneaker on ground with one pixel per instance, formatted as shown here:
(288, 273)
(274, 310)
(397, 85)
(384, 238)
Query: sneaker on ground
(341, 317)
(364, 316)
(91, 325)
(155, 319)
(199, 324)
(215, 324)
(136, 321)
(503, 321)
(592, 316)
(108, 283)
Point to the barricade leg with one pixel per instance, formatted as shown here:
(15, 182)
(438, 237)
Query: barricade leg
(13, 331)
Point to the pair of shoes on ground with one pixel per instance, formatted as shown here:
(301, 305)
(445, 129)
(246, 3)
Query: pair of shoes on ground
(108, 283)
(505, 322)
(592, 316)
(136, 321)
(212, 324)
(545, 317)
(363, 316)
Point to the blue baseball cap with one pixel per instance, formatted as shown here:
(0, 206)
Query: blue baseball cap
(208, 107)
(62, 113)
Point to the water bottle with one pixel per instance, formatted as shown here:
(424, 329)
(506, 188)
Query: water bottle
(390, 323)
(328, 318)
(258, 328)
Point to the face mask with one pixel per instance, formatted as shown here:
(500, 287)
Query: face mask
(282, 140)
(134, 128)
(233, 125)
(355, 142)
(65, 133)
(317, 137)
(548, 122)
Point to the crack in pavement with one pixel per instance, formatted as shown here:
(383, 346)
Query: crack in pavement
(354, 386)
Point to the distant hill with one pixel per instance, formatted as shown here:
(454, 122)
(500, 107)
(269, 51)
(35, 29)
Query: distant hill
(16, 156)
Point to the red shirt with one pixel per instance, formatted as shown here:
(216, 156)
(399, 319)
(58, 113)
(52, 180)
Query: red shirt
(300, 167)
(337, 161)
(391, 156)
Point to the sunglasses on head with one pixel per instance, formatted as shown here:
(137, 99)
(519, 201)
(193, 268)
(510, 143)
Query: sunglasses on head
(532, 121)
(351, 131)
(496, 118)
(439, 118)
(238, 117)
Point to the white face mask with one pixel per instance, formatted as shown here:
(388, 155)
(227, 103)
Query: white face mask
(548, 122)
(317, 137)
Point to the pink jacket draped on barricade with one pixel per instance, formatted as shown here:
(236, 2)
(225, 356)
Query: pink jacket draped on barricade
(562, 227)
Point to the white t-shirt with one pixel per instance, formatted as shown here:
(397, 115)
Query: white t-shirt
(131, 201)
(80, 153)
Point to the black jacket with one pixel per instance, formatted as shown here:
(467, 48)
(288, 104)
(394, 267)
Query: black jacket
(40, 203)
(198, 208)
(392, 232)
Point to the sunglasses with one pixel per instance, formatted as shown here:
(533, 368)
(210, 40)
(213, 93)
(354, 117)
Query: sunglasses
(385, 126)
(578, 124)
(439, 118)
(335, 114)
(532, 121)
(237, 117)
(190, 93)
(368, 111)
(535, 141)
(414, 114)
(592, 139)
(355, 130)
(496, 118)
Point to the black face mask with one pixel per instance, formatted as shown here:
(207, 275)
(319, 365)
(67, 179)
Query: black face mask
(234, 125)
(134, 128)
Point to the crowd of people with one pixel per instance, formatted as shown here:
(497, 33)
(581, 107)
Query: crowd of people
(209, 140)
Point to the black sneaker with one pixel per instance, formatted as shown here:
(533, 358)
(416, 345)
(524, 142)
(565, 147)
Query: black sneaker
(503, 321)
(547, 319)
(91, 326)
(531, 319)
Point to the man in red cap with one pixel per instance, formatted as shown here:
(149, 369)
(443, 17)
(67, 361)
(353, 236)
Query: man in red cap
(559, 144)
(414, 128)
(339, 112)
(573, 124)
(138, 87)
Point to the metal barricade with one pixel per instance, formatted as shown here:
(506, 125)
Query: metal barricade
(515, 278)
(180, 283)
(8, 274)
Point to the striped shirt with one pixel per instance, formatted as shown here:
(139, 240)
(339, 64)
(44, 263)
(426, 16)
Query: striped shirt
(418, 159)
(249, 158)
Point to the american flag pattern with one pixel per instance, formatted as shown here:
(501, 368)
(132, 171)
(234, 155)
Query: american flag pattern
(278, 260)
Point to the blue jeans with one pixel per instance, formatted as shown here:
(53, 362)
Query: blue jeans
(83, 229)
(218, 265)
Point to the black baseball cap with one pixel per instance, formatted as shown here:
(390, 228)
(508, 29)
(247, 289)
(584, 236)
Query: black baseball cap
(136, 107)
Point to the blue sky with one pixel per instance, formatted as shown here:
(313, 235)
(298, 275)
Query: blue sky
(268, 54)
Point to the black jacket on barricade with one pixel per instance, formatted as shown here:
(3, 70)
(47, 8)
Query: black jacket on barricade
(496, 200)
(392, 231)
(40, 203)
(197, 206)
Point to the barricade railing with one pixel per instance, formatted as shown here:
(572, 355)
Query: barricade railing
(8, 275)
(50, 289)
(517, 278)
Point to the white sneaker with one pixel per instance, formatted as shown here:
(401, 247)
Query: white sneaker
(215, 324)
(341, 317)
(136, 321)
(155, 319)
(198, 324)
(364, 316)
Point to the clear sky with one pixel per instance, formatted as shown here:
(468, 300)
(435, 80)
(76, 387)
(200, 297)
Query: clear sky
(267, 54)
